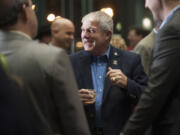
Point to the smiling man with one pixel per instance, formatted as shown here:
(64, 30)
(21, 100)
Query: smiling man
(62, 31)
(116, 76)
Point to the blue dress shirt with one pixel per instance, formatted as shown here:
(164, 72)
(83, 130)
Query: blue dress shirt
(98, 71)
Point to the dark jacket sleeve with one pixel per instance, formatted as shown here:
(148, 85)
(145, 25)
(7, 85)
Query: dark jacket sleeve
(138, 81)
(162, 86)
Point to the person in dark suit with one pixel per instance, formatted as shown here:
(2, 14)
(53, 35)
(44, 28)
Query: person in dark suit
(15, 116)
(116, 76)
(46, 71)
(159, 105)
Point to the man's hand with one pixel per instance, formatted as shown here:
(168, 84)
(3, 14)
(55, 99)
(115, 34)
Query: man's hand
(86, 96)
(117, 77)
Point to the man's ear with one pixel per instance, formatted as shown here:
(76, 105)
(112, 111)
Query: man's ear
(108, 35)
(54, 32)
(23, 15)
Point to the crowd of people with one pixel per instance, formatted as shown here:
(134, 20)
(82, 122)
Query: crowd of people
(105, 89)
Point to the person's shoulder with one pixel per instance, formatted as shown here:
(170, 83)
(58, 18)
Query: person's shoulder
(41, 48)
(82, 52)
(149, 39)
(127, 57)
(42, 52)
(131, 55)
(78, 54)
(146, 43)
(124, 53)
(172, 26)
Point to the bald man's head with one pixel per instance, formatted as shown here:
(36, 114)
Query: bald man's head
(62, 31)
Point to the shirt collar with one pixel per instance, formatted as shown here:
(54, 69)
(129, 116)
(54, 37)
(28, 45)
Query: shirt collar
(107, 53)
(21, 33)
(169, 16)
(155, 31)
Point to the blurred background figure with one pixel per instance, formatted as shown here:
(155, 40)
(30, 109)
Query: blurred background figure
(62, 31)
(44, 35)
(145, 48)
(135, 34)
(118, 42)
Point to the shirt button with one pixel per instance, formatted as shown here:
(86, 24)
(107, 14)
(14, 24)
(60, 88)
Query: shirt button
(99, 64)
(100, 90)
(100, 77)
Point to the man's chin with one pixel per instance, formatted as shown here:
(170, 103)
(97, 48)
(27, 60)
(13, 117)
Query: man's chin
(88, 50)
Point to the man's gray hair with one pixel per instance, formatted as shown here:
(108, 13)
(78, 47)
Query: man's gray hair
(104, 20)
(9, 10)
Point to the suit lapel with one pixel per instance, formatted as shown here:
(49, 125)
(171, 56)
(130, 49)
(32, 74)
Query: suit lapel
(85, 69)
(113, 62)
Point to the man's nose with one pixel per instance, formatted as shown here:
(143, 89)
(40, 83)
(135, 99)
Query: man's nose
(85, 34)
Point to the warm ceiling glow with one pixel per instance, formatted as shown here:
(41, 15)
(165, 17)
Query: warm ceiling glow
(58, 17)
(79, 44)
(147, 23)
(51, 17)
(108, 11)
(33, 7)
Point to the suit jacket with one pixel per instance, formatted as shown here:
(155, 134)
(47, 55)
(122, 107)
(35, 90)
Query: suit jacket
(49, 84)
(15, 118)
(117, 102)
(145, 48)
(160, 103)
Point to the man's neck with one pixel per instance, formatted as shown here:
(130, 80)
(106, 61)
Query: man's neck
(168, 8)
(20, 33)
(18, 28)
(52, 42)
(100, 51)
